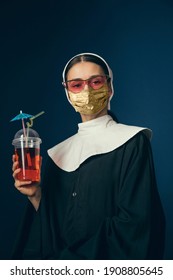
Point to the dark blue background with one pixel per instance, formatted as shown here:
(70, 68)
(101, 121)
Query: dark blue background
(39, 37)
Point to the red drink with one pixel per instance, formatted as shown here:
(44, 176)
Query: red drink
(27, 153)
(29, 162)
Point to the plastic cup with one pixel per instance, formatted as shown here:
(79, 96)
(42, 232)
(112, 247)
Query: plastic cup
(27, 153)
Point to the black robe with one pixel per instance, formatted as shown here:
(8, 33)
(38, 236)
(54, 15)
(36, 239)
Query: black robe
(109, 208)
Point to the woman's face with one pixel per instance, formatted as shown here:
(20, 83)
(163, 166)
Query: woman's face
(85, 70)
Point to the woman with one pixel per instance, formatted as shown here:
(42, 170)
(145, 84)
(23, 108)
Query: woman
(98, 198)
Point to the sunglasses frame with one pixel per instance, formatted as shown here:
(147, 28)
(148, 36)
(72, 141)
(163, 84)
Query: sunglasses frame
(65, 84)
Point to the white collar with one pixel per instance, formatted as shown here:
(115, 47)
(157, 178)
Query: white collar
(94, 126)
(98, 136)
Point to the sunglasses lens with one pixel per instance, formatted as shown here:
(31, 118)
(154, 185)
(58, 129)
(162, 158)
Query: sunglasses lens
(75, 86)
(97, 82)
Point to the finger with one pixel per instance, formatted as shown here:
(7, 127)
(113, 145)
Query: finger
(13, 158)
(14, 167)
(21, 184)
(29, 190)
(16, 171)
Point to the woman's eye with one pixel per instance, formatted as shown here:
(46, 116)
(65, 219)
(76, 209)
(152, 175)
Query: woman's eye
(76, 85)
(96, 81)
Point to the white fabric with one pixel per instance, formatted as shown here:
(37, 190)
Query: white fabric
(98, 136)
(109, 70)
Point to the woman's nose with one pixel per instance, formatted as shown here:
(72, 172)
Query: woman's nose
(86, 86)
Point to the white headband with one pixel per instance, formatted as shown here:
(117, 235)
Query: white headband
(109, 71)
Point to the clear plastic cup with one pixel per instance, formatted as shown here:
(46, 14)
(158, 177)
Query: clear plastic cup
(27, 153)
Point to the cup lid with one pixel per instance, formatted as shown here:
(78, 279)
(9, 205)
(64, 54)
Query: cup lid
(32, 136)
(30, 133)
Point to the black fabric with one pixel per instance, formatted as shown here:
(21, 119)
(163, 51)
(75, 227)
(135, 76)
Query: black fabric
(109, 208)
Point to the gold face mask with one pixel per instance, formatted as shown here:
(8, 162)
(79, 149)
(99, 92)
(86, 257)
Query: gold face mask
(90, 101)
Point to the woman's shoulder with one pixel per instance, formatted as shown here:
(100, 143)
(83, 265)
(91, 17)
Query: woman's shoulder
(65, 143)
(131, 131)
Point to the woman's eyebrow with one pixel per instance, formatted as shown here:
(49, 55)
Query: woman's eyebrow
(93, 76)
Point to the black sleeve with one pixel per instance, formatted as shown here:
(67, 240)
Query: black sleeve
(27, 222)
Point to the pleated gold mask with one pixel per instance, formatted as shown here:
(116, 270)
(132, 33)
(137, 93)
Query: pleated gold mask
(89, 101)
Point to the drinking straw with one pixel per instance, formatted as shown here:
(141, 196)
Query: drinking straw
(28, 126)
(23, 125)
(23, 160)
(31, 122)
(34, 117)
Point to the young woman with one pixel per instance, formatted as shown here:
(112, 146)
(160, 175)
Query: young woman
(98, 198)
